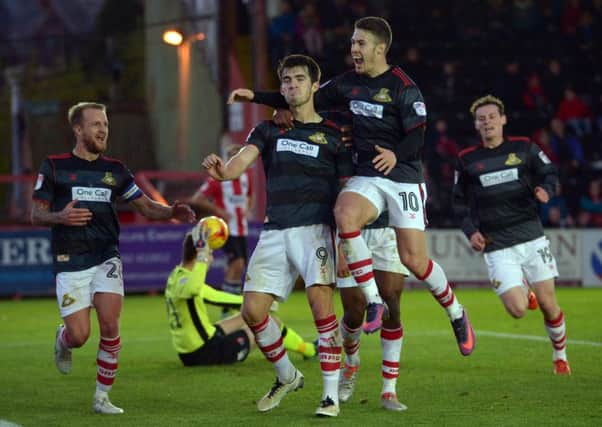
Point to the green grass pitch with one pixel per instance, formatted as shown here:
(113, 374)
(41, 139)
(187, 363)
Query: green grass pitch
(507, 381)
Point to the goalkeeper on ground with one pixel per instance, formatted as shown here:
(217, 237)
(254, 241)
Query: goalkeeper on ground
(197, 340)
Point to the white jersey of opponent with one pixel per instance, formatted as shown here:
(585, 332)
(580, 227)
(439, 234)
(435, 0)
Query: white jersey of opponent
(233, 197)
(532, 260)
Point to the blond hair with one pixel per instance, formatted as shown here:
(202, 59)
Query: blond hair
(76, 111)
(486, 100)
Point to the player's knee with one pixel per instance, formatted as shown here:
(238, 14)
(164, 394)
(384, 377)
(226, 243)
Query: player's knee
(549, 308)
(347, 218)
(353, 314)
(415, 263)
(516, 311)
(251, 316)
(392, 301)
(78, 338)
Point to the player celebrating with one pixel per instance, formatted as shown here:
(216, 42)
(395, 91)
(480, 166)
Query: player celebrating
(195, 338)
(498, 184)
(303, 166)
(230, 200)
(388, 113)
(389, 274)
(75, 195)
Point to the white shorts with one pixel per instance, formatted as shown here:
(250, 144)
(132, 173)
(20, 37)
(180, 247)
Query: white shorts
(532, 260)
(383, 245)
(282, 255)
(75, 289)
(405, 202)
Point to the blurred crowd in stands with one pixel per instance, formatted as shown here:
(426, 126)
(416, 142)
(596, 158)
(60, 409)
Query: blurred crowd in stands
(543, 58)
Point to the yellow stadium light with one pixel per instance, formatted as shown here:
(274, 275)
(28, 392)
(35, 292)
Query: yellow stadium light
(173, 37)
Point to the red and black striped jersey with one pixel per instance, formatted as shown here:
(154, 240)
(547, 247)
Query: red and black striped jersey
(386, 109)
(494, 191)
(303, 167)
(96, 185)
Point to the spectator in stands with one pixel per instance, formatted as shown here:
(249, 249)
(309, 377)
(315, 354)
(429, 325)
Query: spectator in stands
(510, 85)
(534, 96)
(573, 111)
(309, 31)
(571, 17)
(555, 213)
(525, 16)
(281, 32)
(591, 205)
(566, 147)
(554, 81)
(441, 171)
(446, 87)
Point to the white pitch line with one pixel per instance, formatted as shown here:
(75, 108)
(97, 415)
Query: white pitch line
(534, 338)
(502, 335)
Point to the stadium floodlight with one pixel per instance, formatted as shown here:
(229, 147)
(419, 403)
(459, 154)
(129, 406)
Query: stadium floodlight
(173, 37)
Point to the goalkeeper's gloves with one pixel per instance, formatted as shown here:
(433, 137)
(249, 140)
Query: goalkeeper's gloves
(199, 239)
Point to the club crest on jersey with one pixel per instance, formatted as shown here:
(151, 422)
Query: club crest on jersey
(109, 179)
(512, 160)
(318, 138)
(382, 95)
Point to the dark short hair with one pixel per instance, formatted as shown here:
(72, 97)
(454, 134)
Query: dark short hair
(76, 111)
(188, 249)
(377, 26)
(487, 100)
(296, 60)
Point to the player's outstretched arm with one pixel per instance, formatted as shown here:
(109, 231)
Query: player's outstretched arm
(241, 95)
(158, 211)
(69, 215)
(215, 167)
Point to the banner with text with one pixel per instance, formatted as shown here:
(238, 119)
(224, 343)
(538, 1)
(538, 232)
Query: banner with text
(149, 252)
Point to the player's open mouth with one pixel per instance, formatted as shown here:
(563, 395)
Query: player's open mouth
(358, 61)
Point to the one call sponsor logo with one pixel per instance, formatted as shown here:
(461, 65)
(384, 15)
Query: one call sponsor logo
(366, 109)
(91, 194)
(297, 147)
(499, 177)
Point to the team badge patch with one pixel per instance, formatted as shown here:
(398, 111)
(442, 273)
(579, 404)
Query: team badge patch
(382, 95)
(318, 138)
(419, 108)
(39, 182)
(512, 160)
(67, 300)
(109, 179)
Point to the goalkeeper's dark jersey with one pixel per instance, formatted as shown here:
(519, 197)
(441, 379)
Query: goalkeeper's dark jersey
(385, 109)
(494, 191)
(303, 167)
(96, 184)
